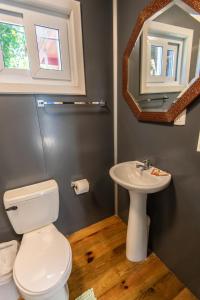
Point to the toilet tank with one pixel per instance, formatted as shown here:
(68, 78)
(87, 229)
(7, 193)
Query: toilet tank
(32, 207)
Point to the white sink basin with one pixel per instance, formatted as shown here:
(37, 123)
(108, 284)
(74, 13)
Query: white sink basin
(139, 183)
(132, 178)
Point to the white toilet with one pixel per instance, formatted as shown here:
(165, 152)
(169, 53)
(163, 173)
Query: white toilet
(44, 261)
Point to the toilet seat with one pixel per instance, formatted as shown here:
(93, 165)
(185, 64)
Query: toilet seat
(44, 261)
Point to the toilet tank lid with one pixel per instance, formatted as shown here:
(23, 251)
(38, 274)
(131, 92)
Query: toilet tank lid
(30, 191)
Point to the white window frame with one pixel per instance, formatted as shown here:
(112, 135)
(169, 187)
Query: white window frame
(39, 81)
(166, 44)
(16, 20)
(170, 33)
(57, 23)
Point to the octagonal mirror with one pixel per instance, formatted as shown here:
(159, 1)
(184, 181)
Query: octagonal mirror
(161, 64)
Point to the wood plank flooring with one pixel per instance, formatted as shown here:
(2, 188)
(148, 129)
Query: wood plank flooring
(99, 262)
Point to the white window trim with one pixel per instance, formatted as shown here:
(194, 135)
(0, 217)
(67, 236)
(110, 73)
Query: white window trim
(23, 84)
(60, 6)
(152, 27)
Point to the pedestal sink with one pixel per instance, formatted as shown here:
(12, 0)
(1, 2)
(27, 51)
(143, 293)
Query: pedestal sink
(139, 183)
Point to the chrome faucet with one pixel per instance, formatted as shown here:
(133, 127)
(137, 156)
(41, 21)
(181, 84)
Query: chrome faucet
(146, 165)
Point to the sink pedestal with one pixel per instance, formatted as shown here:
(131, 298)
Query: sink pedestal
(139, 183)
(138, 227)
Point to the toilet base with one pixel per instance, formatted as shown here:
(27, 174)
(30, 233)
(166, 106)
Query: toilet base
(61, 294)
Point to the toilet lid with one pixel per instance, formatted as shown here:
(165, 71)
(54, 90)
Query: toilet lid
(44, 257)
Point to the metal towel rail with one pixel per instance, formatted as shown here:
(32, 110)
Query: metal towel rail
(164, 99)
(43, 103)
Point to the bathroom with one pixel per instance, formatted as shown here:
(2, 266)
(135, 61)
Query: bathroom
(66, 143)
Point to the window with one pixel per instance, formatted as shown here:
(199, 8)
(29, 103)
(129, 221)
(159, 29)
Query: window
(164, 59)
(156, 60)
(13, 47)
(48, 44)
(166, 53)
(171, 69)
(41, 48)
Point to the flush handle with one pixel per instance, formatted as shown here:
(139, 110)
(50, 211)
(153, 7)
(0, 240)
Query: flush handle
(12, 208)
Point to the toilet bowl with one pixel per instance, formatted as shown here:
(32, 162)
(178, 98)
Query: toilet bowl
(47, 253)
(44, 261)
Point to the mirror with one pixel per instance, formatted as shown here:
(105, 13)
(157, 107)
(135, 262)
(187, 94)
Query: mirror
(161, 65)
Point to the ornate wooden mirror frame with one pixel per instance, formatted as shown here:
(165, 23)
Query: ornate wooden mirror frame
(189, 96)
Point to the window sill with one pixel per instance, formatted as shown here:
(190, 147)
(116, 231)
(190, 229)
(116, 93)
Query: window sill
(20, 82)
(162, 88)
(35, 88)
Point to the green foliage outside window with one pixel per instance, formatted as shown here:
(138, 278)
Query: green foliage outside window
(13, 46)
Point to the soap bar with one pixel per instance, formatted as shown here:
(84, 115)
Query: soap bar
(158, 172)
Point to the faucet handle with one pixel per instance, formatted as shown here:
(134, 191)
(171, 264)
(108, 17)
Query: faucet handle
(147, 163)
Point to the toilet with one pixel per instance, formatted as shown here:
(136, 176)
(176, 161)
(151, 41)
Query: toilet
(44, 260)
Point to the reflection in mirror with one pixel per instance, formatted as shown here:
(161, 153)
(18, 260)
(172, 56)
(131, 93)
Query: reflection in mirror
(165, 60)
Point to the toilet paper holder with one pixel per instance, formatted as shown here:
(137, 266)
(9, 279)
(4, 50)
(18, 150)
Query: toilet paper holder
(81, 186)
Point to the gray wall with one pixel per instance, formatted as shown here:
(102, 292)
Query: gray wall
(65, 143)
(175, 212)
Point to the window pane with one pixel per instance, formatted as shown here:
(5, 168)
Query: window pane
(48, 48)
(13, 46)
(156, 60)
(170, 63)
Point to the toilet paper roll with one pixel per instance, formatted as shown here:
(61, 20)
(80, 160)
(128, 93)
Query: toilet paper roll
(81, 186)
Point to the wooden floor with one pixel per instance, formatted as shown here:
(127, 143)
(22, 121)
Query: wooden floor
(99, 262)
